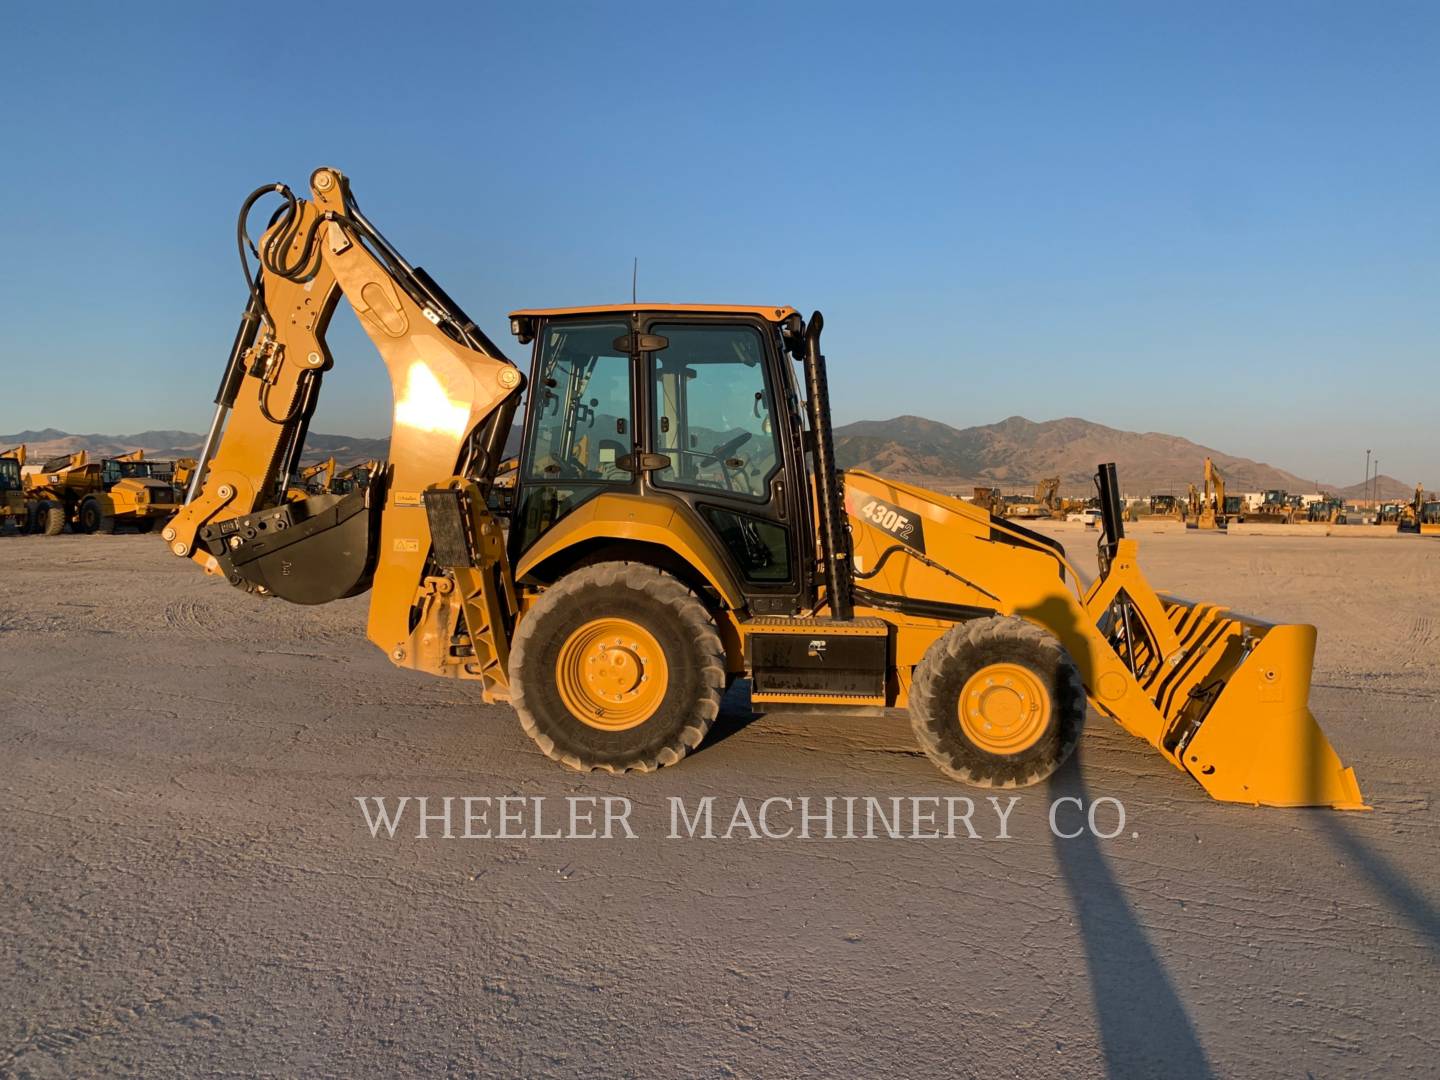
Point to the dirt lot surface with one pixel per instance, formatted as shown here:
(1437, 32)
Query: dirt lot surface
(190, 888)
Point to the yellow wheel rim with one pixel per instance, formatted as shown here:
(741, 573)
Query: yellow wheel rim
(611, 674)
(1004, 708)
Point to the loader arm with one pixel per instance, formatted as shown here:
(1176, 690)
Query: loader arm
(454, 397)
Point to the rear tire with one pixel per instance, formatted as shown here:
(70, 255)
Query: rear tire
(50, 519)
(997, 702)
(617, 667)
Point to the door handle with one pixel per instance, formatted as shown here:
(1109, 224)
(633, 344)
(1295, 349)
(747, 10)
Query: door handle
(637, 462)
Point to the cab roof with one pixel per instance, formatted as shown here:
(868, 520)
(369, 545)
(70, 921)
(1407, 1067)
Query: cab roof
(773, 314)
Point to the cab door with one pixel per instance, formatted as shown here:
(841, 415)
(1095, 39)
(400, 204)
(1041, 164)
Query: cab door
(580, 429)
(718, 414)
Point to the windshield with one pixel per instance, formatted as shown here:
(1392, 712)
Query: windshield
(115, 471)
(9, 474)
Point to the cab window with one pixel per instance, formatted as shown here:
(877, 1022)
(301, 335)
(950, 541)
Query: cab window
(580, 420)
(712, 410)
(580, 425)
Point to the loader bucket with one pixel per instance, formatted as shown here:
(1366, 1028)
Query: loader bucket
(1258, 743)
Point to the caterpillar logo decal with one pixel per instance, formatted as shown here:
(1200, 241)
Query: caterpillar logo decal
(903, 525)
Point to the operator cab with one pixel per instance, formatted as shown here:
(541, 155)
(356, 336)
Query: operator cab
(9, 474)
(693, 407)
(112, 471)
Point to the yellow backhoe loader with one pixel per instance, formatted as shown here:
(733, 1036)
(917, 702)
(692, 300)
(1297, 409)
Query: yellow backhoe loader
(679, 522)
(1414, 516)
(14, 505)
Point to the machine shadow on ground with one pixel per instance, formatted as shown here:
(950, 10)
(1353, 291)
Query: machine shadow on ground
(1389, 882)
(1144, 1028)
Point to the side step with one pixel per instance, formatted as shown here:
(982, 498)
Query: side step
(817, 661)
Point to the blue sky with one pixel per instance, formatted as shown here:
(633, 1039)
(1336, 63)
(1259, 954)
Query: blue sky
(1216, 220)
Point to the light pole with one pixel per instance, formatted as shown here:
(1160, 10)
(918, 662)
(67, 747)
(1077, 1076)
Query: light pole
(1367, 475)
(1377, 478)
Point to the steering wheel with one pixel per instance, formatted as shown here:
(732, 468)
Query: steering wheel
(725, 450)
(563, 468)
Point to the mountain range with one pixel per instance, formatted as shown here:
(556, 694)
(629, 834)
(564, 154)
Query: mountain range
(1012, 455)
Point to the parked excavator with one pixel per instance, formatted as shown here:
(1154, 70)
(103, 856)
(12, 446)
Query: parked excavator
(679, 522)
(313, 480)
(1209, 511)
(355, 477)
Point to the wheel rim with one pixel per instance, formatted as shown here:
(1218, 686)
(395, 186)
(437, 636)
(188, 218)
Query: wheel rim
(611, 674)
(1004, 708)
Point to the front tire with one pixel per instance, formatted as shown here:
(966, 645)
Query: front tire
(997, 702)
(93, 518)
(617, 667)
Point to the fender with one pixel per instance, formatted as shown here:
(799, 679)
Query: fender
(643, 519)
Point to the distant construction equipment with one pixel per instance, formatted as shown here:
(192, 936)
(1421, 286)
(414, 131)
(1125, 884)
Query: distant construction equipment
(312, 480)
(989, 498)
(355, 478)
(1328, 510)
(14, 507)
(100, 496)
(1210, 512)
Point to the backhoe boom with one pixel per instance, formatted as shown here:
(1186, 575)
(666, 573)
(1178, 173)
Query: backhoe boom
(454, 398)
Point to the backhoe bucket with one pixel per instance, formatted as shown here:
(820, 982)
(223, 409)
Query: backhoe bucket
(1259, 743)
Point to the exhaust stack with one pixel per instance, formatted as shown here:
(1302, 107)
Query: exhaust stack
(834, 534)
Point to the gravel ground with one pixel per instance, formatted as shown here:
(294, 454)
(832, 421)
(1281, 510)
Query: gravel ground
(190, 888)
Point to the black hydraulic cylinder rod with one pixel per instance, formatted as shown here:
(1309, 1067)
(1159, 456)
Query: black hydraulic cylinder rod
(834, 536)
(298, 428)
(1111, 517)
(229, 387)
(492, 439)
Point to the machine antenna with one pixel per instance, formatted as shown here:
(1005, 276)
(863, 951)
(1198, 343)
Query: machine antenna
(634, 278)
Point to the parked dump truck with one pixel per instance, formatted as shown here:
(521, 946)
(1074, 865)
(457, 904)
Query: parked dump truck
(102, 496)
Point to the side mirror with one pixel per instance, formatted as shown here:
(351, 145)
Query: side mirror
(792, 332)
